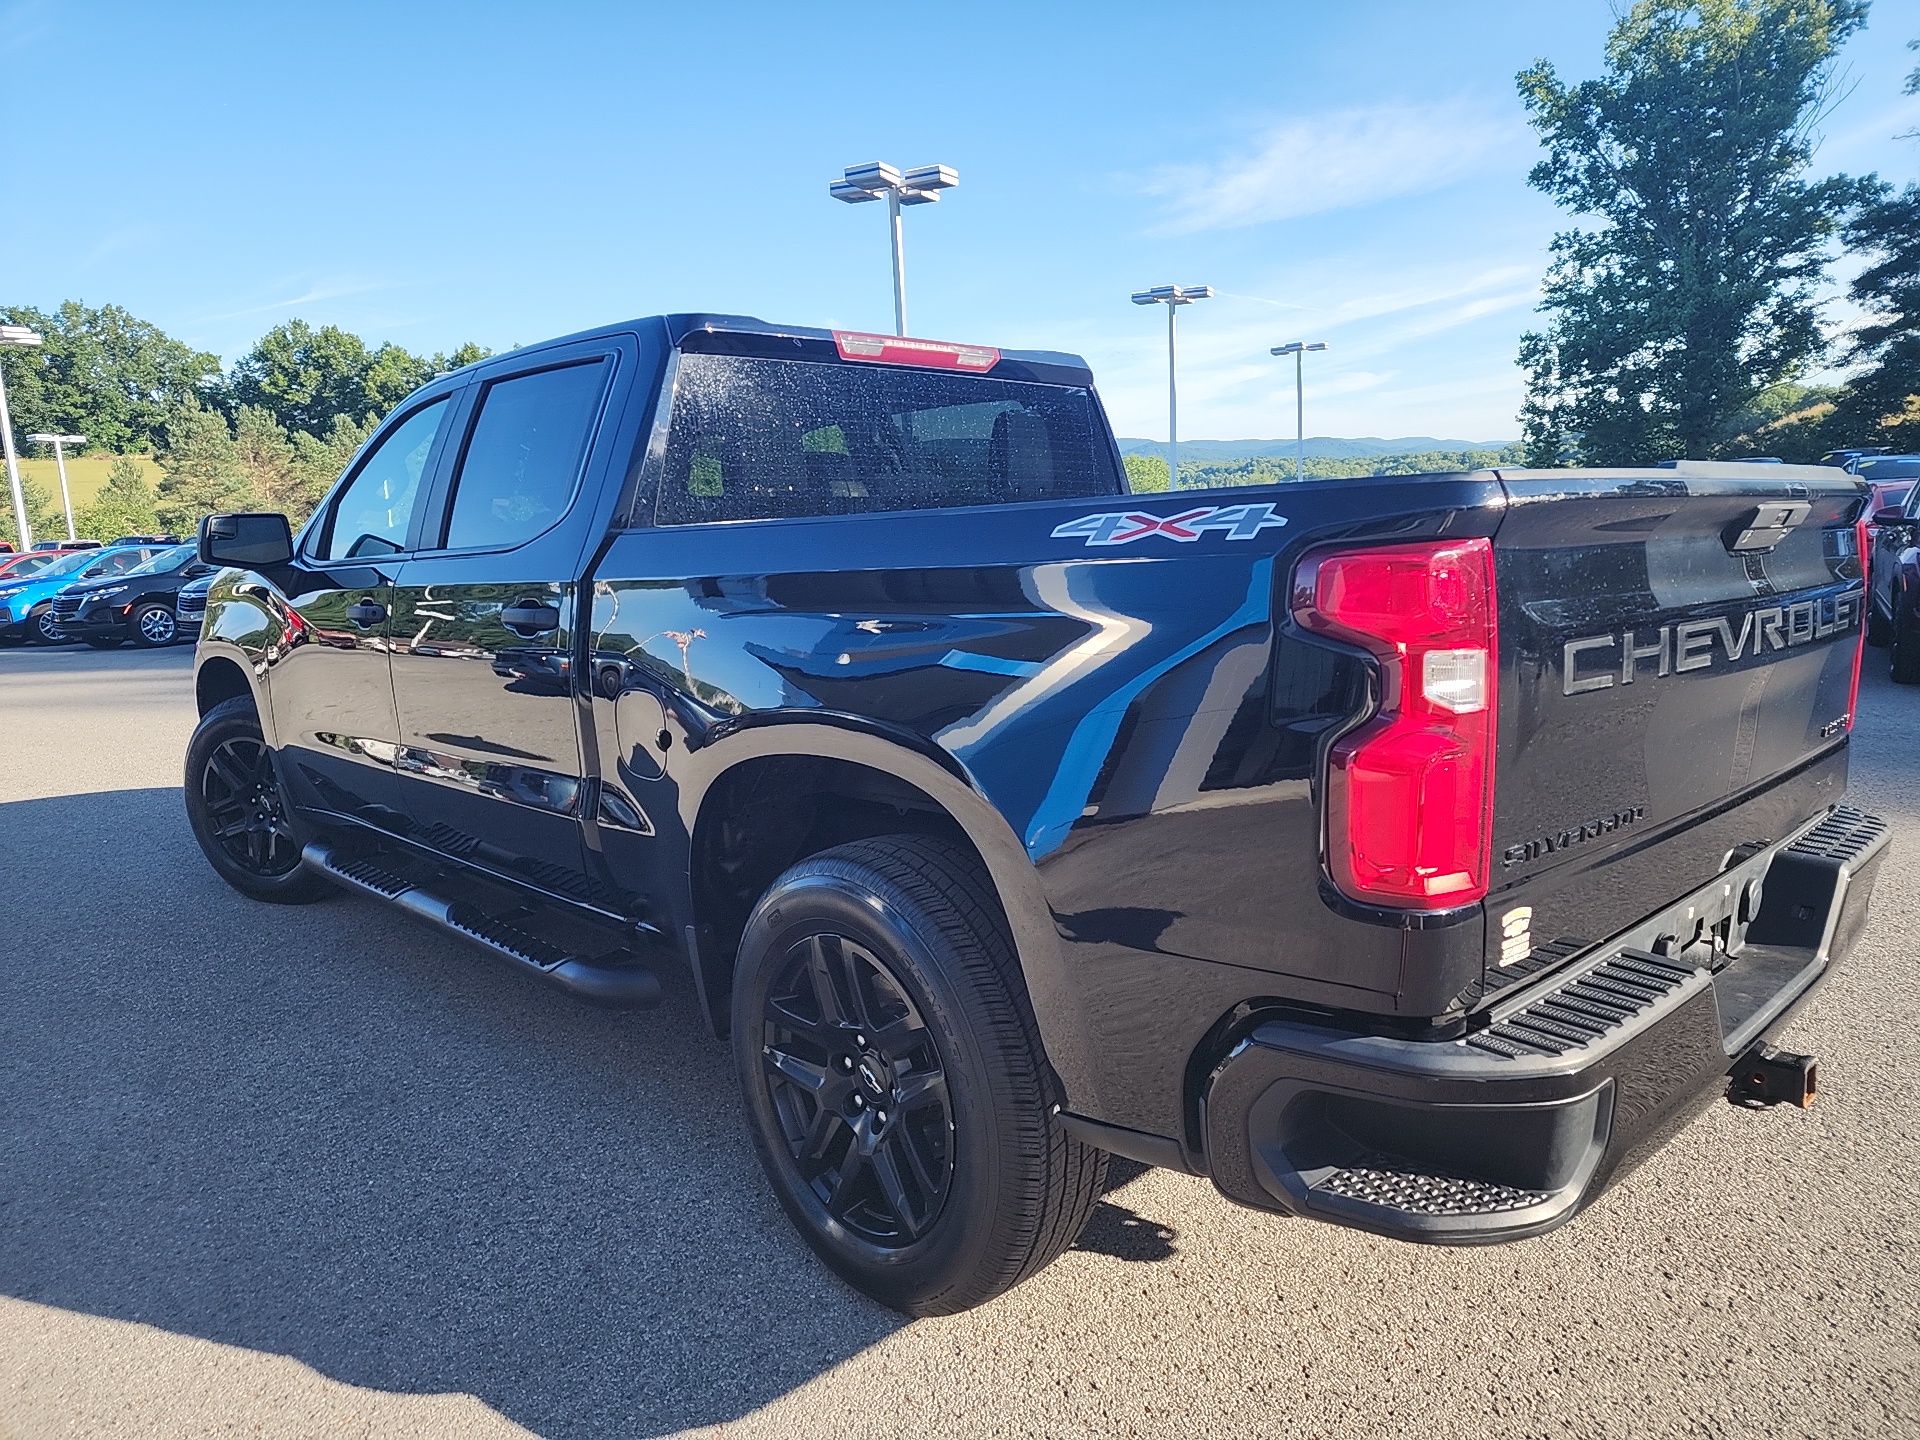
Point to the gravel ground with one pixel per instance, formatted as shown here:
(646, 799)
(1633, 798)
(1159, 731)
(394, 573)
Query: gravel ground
(319, 1171)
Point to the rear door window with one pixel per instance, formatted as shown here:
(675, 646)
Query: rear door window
(529, 442)
(756, 439)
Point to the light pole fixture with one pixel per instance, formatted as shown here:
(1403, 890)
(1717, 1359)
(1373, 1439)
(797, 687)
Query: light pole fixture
(59, 442)
(920, 186)
(1298, 350)
(1173, 297)
(15, 337)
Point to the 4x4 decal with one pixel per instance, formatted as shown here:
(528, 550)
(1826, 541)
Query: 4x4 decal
(1120, 527)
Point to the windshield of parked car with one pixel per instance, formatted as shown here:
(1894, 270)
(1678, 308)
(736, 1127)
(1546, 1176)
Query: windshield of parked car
(1893, 467)
(24, 566)
(67, 564)
(167, 561)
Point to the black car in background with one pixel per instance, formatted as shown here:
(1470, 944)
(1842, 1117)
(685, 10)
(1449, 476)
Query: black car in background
(137, 605)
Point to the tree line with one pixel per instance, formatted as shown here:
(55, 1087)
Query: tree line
(1684, 315)
(273, 432)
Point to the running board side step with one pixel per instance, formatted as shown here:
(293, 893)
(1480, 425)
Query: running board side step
(630, 986)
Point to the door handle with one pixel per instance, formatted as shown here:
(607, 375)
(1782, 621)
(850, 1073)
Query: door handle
(366, 612)
(530, 617)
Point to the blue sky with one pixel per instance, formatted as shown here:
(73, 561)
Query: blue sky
(434, 173)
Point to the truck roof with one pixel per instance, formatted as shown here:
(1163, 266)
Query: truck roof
(747, 334)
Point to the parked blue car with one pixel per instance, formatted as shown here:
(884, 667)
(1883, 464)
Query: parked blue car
(26, 605)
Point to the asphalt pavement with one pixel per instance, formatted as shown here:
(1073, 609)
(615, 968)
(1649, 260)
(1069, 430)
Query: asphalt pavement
(307, 1171)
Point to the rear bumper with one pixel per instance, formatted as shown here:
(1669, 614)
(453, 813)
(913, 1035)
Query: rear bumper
(1511, 1130)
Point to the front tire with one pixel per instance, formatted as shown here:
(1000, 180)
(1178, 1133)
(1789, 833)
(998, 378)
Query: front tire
(45, 632)
(894, 1078)
(238, 812)
(154, 625)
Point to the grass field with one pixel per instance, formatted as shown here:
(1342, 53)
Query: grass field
(85, 474)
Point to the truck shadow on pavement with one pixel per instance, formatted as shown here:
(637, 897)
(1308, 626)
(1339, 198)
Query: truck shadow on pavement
(324, 1132)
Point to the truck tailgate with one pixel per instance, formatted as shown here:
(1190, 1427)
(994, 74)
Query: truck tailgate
(1678, 657)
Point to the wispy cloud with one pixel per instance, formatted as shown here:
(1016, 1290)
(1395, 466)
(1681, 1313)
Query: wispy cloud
(312, 296)
(1334, 161)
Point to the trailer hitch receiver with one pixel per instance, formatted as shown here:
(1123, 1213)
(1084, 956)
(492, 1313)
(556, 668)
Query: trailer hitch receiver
(1766, 1076)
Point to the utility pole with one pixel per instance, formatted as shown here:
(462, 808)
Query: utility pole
(20, 337)
(1173, 297)
(919, 186)
(60, 462)
(1298, 349)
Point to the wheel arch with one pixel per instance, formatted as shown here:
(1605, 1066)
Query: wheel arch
(800, 773)
(218, 678)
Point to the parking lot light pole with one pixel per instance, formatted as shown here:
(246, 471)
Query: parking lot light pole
(15, 337)
(60, 461)
(1298, 349)
(920, 186)
(1173, 297)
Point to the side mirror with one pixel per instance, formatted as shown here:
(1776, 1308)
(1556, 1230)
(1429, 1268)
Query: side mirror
(249, 540)
(1888, 515)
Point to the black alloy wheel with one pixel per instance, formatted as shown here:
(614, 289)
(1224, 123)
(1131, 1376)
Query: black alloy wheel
(856, 1081)
(237, 810)
(154, 625)
(894, 1079)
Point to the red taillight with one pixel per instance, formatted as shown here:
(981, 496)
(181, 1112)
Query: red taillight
(898, 350)
(1410, 793)
(1866, 608)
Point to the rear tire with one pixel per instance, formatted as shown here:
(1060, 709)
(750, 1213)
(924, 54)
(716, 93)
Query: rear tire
(1903, 657)
(238, 812)
(894, 1078)
(153, 625)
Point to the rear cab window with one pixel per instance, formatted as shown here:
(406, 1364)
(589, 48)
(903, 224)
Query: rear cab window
(763, 439)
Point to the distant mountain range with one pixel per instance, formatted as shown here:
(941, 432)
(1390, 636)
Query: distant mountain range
(1323, 446)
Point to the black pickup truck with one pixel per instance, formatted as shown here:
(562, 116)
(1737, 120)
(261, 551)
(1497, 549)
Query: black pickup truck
(1411, 853)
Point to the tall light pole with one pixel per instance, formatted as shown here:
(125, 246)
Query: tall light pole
(1173, 297)
(60, 460)
(1298, 350)
(919, 186)
(21, 337)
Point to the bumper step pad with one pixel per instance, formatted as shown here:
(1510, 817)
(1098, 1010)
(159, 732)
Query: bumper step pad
(1410, 1193)
(612, 977)
(1585, 1008)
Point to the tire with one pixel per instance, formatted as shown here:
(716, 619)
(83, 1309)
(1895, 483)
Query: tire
(968, 1184)
(153, 625)
(1903, 654)
(40, 625)
(237, 810)
(106, 642)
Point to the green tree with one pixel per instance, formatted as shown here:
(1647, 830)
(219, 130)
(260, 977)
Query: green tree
(202, 470)
(104, 374)
(1695, 292)
(124, 505)
(318, 463)
(1882, 405)
(1146, 474)
(304, 378)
